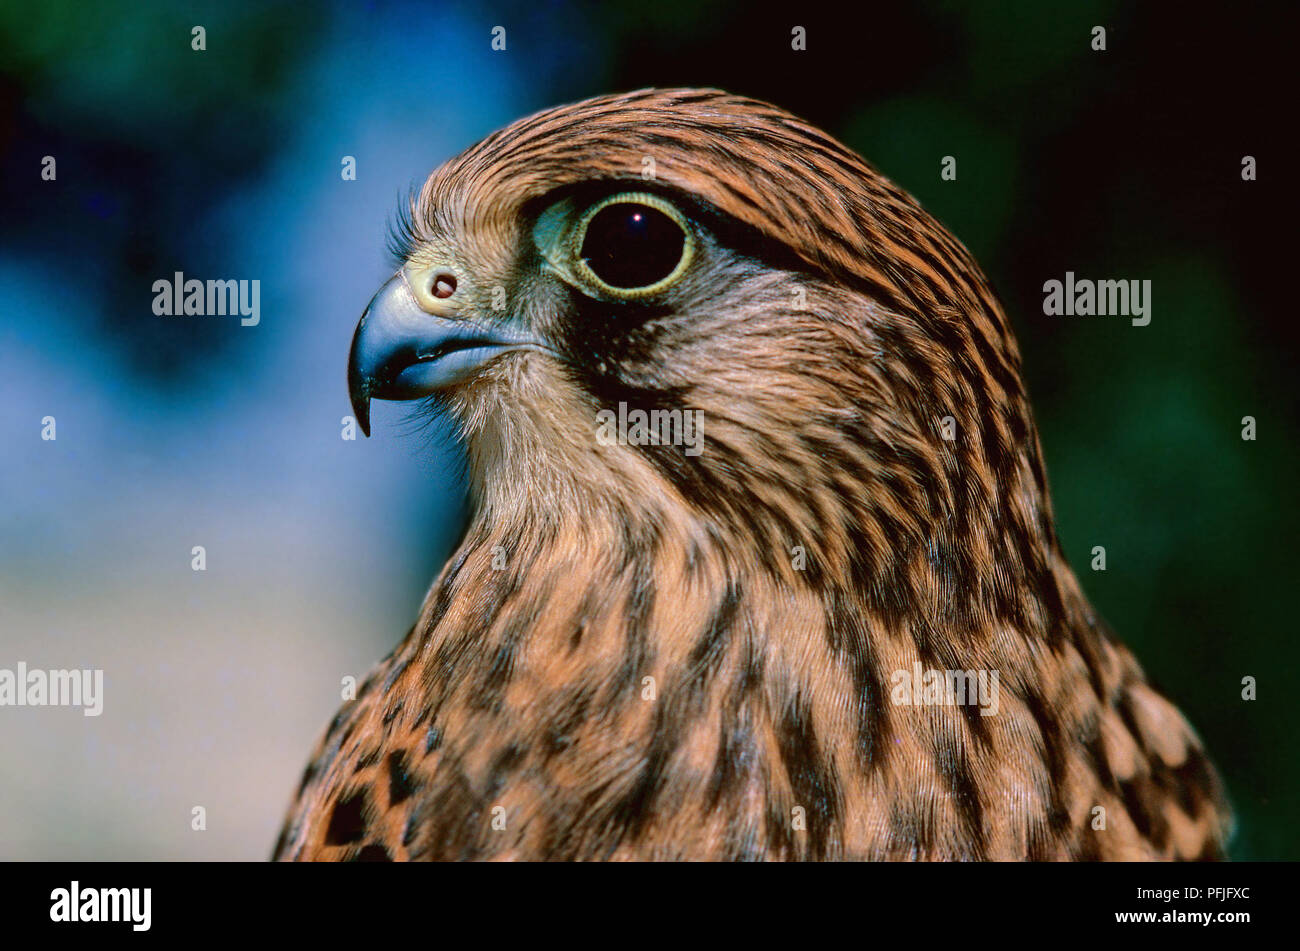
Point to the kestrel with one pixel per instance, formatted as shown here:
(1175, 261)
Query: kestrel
(761, 561)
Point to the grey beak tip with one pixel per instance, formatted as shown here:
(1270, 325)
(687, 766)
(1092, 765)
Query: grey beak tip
(359, 383)
(359, 392)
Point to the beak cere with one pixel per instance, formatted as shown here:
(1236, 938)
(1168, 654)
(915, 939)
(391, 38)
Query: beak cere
(401, 351)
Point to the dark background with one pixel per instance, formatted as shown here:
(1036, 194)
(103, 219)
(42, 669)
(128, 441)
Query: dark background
(1122, 164)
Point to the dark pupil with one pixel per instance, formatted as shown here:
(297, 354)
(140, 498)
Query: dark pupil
(631, 245)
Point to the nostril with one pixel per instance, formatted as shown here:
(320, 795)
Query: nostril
(444, 285)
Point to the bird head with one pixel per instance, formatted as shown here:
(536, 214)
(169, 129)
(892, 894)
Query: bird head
(695, 252)
(860, 493)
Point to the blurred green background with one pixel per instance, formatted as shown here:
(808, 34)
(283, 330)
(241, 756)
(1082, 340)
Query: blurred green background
(1120, 164)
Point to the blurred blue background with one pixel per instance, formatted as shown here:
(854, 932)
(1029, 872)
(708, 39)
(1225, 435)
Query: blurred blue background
(225, 163)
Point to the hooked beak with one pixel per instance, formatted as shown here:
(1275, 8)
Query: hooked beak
(402, 352)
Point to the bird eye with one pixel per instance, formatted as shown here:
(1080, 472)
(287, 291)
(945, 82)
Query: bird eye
(634, 244)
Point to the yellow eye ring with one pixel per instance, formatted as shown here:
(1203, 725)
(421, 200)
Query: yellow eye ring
(583, 269)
